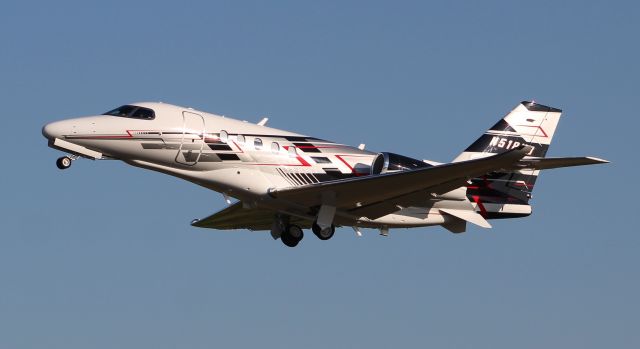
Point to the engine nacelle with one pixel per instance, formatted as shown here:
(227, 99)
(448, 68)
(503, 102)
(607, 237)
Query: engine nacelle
(395, 162)
(377, 166)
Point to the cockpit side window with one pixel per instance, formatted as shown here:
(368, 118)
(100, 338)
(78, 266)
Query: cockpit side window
(143, 113)
(132, 111)
(125, 111)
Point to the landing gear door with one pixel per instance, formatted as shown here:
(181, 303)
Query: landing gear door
(193, 132)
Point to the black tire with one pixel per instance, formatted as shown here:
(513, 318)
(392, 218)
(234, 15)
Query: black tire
(288, 240)
(292, 236)
(323, 235)
(64, 162)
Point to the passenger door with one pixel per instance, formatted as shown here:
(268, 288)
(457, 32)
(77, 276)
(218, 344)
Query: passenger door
(193, 131)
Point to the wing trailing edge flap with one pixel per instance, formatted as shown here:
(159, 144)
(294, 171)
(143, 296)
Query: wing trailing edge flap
(237, 217)
(376, 196)
(454, 194)
(550, 163)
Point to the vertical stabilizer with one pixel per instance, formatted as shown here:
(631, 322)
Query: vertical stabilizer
(507, 194)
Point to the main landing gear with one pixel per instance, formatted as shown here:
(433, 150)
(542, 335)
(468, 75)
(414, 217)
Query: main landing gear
(323, 234)
(293, 234)
(64, 162)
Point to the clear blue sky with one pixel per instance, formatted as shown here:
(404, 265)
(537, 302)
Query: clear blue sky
(102, 255)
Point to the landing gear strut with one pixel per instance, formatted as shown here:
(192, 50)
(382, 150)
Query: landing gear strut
(292, 235)
(64, 162)
(323, 234)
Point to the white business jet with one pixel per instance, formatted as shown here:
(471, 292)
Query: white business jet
(286, 182)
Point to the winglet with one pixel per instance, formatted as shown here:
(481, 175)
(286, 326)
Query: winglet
(263, 121)
(598, 160)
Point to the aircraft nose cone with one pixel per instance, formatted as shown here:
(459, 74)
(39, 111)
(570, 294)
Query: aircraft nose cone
(52, 130)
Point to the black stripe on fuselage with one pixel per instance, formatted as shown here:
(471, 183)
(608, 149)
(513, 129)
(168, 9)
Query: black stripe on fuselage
(295, 179)
(191, 156)
(219, 146)
(286, 177)
(228, 157)
(169, 146)
(307, 148)
(321, 160)
(332, 174)
(504, 215)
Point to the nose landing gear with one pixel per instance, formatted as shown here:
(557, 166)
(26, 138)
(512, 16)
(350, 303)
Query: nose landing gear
(64, 162)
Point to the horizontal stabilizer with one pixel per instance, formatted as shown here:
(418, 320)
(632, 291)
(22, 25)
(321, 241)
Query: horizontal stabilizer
(467, 215)
(549, 163)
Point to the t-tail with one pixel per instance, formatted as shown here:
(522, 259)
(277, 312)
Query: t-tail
(507, 194)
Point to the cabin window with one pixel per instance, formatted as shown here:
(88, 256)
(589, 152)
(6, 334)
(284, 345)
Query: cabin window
(275, 147)
(224, 136)
(132, 111)
(240, 139)
(257, 143)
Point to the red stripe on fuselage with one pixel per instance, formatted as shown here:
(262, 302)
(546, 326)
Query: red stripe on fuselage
(483, 210)
(353, 170)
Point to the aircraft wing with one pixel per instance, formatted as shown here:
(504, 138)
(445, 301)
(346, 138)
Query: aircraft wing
(371, 196)
(389, 190)
(237, 217)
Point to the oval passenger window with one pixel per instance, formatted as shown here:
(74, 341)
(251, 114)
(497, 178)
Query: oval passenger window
(224, 136)
(275, 147)
(257, 143)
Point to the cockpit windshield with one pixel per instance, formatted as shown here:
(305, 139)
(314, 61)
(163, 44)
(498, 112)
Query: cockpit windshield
(132, 111)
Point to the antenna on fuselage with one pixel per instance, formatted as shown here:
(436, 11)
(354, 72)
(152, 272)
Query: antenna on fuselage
(263, 121)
